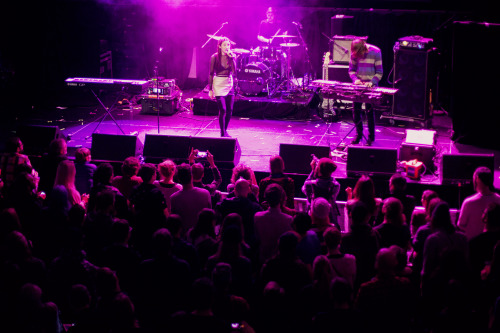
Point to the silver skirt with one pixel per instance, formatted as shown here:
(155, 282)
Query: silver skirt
(222, 85)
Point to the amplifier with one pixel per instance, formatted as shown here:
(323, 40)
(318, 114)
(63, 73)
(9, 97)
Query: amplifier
(341, 48)
(167, 105)
(161, 87)
(336, 72)
(414, 42)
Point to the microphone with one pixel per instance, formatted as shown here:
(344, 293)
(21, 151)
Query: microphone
(298, 24)
(231, 54)
(314, 158)
(225, 23)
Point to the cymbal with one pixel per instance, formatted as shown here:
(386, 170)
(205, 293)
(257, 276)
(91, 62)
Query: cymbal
(240, 51)
(289, 44)
(219, 38)
(284, 36)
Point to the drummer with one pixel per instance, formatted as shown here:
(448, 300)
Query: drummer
(269, 28)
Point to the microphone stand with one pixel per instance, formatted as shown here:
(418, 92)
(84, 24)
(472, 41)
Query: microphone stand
(155, 71)
(214, 34)
(331, 40)
(308, 59)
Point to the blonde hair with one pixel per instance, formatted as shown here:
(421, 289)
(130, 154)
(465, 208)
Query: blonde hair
(167, 169)
(65, 176)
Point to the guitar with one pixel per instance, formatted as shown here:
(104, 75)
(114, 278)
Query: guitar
(326, 62)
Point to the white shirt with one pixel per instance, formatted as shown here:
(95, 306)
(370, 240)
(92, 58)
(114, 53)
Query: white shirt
(471, 213)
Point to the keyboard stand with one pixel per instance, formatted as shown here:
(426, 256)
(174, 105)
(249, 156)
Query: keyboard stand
(108, 112)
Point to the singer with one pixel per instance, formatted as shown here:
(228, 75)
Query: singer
(221, 82)
(365, 67)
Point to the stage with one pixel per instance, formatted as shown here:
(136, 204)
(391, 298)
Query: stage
(259, 126)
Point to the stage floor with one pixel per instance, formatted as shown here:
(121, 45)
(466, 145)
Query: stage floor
(258, 137)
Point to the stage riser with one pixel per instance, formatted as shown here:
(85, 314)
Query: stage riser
(254, 108)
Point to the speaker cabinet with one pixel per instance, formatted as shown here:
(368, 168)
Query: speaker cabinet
(114, 148)
(341, 25)
(459, 168)
(226, 151)
(370, 161)
(336, 72)
(166, 105)
(297, 157)
(160, 147)
(414, 77)
(36, 139)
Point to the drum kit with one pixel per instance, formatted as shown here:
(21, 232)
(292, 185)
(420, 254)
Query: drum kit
(265, 69)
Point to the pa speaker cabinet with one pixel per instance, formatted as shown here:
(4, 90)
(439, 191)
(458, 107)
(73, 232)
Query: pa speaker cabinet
(341, 25)
(414, 77)
(297, 157)
(110, 147)
(178, 148)
(370, 161)
(459, 168)
(165, 105)
(160, 147)
(226, 151)
(36, 139)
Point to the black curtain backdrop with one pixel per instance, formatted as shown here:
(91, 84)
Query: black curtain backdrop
(45, 43)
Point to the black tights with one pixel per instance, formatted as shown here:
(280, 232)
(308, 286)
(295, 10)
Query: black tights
(225, 104)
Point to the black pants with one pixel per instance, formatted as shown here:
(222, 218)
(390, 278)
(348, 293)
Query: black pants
(358, 120)
(225, 104)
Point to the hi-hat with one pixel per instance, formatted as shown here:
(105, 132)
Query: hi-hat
(219, 38)
(240, 51)
(289, 44)
(284, 36)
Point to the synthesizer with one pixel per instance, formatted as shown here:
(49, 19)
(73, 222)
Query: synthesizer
(131, 86)
(353, 92)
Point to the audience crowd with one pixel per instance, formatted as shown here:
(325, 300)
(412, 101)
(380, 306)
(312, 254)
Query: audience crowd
(155, 249)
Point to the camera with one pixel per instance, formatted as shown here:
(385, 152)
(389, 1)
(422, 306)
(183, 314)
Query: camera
(202, 154)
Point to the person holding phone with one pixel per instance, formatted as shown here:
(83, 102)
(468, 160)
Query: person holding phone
(221, 82)
(198, 171)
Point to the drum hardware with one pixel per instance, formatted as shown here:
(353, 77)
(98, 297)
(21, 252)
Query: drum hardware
(217, 38)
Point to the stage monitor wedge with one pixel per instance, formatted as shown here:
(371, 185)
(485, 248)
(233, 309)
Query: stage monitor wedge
(459, 168)
(298, 157)
(371, 161)
(160, 147)
(177, 148)
(36, 138)
(115, 148)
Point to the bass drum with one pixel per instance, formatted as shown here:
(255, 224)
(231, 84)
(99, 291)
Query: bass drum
(253, 78)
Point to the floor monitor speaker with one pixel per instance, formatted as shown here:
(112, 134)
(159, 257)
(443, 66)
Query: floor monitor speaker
(459, 168)
(371, 161)
(36, 138)
(110, 147)
(178, 148)
(297, 157)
